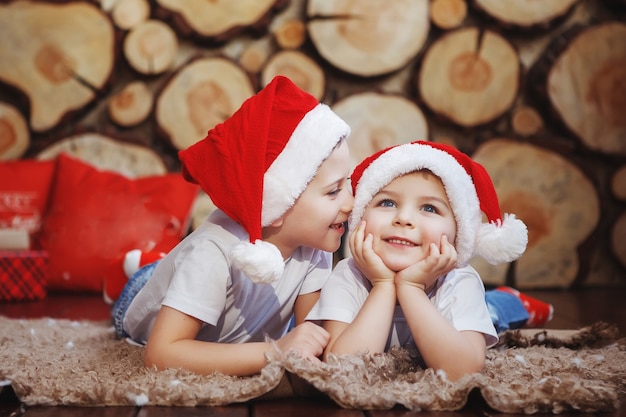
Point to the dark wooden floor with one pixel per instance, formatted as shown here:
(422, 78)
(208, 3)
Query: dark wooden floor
(573, 309)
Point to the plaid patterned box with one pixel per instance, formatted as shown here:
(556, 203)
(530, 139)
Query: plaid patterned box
(23, 275)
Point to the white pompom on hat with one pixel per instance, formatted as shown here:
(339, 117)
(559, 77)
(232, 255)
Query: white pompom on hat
(469, 190)
(255, 165)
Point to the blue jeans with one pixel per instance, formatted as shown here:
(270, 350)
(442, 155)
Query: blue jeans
(135, 283)
(506, 310)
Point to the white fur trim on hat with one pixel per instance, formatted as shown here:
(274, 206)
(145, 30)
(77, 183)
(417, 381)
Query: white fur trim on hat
(502, 242)
(262, 262)
(311, 142)
(458, 184)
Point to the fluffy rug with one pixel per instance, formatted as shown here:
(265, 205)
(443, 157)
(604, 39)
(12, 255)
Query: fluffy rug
(62, 362)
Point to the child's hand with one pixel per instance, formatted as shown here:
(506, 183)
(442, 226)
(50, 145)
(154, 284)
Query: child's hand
(423, 274)
(307, 338)
(368, 262)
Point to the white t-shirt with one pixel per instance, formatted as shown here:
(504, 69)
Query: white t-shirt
(198, 279)
(459, 296)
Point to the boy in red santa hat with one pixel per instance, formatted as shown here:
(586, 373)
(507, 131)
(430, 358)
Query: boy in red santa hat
(277, 172)
(415, 225)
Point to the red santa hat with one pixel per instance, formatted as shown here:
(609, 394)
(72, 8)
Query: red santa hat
(256, 164)
(469, 190)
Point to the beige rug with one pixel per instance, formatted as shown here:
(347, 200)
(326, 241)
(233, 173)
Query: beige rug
(61, 362)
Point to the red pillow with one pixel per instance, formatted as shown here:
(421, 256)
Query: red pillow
(94, 216)
(24, 192)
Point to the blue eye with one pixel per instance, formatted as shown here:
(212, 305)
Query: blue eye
(387, 203)
(430, 208)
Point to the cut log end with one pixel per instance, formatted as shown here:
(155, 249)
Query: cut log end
(380, 120)
(290, 34)
(151, 47)
(448, 14)
(300, 68)
(202, 93)
(468, 71)
(367, 38)
(132, 105)
(126, 14)
(446, 141)
(549, 195)
(618, 239)
(253, 58)
(65, 66)
(480, 68)
(206, 103)
(607, 91)
(526, 121)
(525, 15)
(54, 64)
(618, 183)
(586, 84)
(108, 153)
(14, 133)
(217, 21)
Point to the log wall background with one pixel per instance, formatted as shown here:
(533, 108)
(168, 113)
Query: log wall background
(537, 94)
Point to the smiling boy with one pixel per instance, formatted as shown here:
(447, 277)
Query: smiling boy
(415, 225)
(277, 171)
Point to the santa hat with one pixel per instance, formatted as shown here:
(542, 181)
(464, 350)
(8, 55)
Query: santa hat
(122, 267)
(469, 190)
(256, 164)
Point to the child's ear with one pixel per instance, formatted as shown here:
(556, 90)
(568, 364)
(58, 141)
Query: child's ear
(277, 223)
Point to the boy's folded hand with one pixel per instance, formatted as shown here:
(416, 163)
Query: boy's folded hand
(424, 273)
(307, 338)
(368, 262)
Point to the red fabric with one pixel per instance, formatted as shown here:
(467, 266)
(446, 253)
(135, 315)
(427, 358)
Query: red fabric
(539, 312)
(482, 182)
(94, 216)
(485, 190)
(24, 192)
(23, 275)
(229, 163)
(116, 277)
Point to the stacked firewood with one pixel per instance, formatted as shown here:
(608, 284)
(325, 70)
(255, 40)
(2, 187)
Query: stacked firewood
(535, 91)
